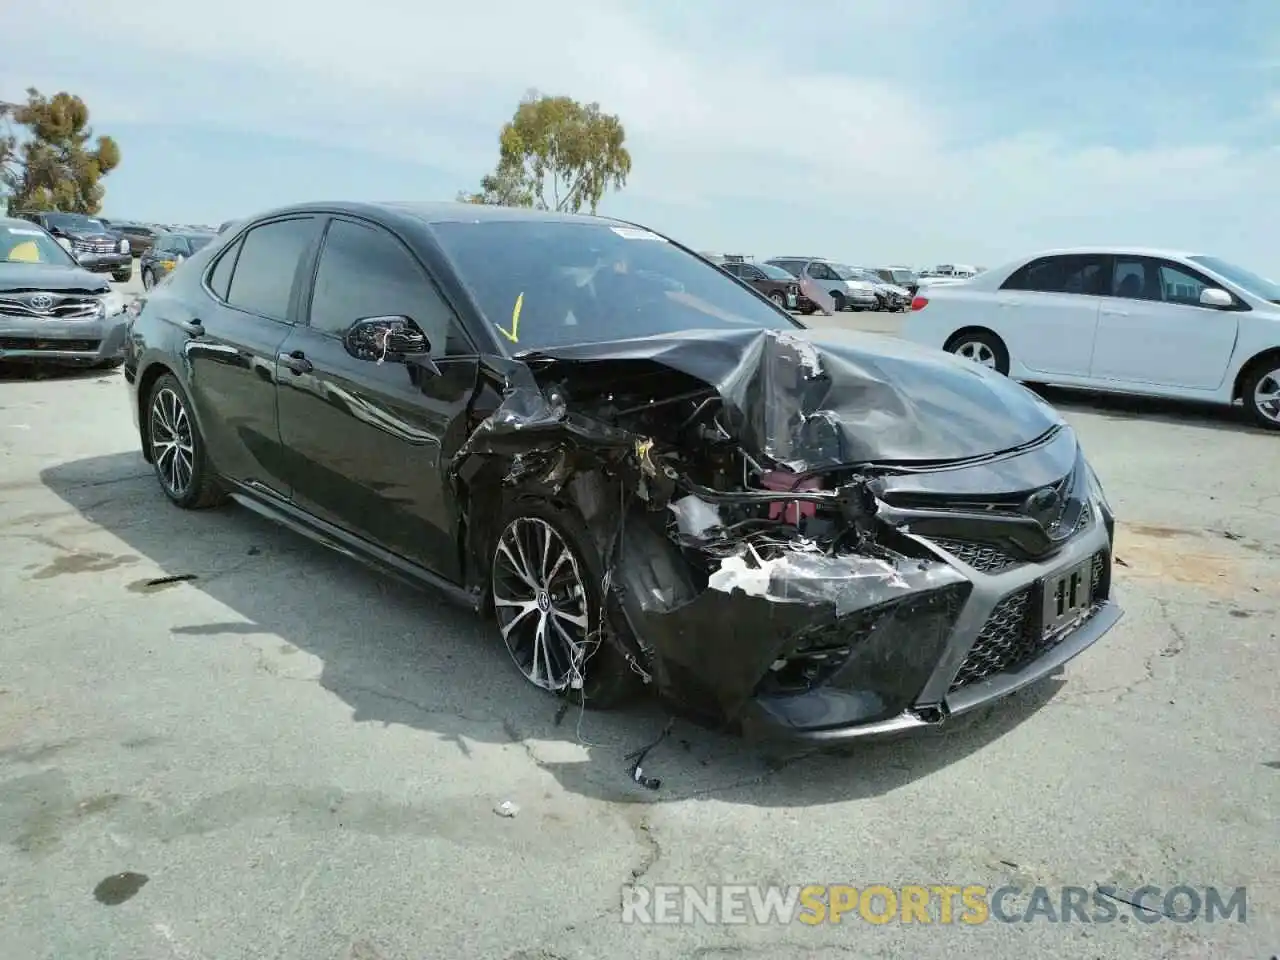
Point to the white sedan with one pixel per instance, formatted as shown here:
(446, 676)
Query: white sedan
(1153, 322)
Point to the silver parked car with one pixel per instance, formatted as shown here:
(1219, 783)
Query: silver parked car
(846, 288)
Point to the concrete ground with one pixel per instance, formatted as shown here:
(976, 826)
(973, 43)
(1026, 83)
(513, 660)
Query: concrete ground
(285, 755)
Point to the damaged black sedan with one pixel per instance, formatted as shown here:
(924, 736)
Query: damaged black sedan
(640, 467)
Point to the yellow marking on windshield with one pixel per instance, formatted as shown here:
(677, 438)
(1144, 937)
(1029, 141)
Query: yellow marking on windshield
(26, 252)
(514, 333)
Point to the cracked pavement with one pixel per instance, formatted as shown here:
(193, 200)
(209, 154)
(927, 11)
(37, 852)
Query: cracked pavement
(302, 759)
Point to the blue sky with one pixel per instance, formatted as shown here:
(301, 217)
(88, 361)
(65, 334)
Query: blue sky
(911, 131)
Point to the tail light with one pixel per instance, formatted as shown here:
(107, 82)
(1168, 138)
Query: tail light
(919, 303)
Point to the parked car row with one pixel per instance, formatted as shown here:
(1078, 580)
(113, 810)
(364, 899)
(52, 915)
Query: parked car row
(783, 279)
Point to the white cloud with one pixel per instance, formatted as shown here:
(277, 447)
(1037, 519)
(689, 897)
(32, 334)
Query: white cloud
(868, 168)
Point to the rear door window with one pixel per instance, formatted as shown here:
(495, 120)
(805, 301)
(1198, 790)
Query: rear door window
(268, 263)
(1075, 273)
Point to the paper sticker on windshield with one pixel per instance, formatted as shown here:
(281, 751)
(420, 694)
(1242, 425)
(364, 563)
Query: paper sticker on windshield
(25, 232)
(636, 233)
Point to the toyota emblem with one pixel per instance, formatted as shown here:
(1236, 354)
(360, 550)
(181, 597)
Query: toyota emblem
(41, 302)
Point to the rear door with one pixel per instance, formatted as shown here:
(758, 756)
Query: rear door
(1153, 330)
(255, 285)
(1047, 312)
(369, 442)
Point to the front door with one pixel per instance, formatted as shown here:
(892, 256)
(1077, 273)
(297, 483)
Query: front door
(1153, 330)
(369, 442)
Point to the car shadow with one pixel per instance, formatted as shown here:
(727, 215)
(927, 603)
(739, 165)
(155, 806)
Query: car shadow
(399, 655)
(11, 371)
(1127, 407)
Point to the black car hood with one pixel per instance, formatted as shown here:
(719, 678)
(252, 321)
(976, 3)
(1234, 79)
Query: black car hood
(812, 399)
(17, 277)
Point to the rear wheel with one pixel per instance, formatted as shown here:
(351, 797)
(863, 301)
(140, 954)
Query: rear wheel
(982, 347)
(1262, 395)
(546, 581)
(177, 449)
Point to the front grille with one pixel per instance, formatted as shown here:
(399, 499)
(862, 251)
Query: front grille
(1010, 639)
(64, 307)
(980, 556)
(94, 246)
(23, 343)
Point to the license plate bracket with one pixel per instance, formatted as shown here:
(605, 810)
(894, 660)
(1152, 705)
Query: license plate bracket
(1065, 598)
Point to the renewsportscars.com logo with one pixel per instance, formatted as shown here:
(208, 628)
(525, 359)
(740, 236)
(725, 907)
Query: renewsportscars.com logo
(970, 904)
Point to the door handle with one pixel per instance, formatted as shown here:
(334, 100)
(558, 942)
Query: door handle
(297, 362)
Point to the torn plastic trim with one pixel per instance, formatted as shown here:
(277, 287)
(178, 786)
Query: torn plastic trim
(846, 581)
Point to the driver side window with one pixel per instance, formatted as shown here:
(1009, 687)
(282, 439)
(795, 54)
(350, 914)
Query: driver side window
(366, 272)
(819, 271)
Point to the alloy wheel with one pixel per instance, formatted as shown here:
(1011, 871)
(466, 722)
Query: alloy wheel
(978, 352)
(172, 442)
(1266, 395)
(540, 599)
(778, 299)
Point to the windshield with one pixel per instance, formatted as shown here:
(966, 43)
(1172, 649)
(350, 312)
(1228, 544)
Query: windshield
(198, 241)
(75, 221)
(846, 272)
(32, 245)
(902, 276)
(545, 284)
(775, 273)
(1247, 280)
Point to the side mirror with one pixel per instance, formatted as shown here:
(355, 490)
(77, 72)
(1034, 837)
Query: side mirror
(397, 339)
(1218, 299)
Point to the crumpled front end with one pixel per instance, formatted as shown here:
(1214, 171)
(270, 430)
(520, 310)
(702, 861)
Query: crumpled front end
(739, 489)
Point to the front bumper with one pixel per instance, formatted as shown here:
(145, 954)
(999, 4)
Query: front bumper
(104, 262)
(983, 648)
(72, 342)
(861, 299)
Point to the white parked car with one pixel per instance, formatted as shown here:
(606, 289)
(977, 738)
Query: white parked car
(1152, 322)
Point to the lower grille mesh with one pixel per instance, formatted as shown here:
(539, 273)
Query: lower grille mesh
(1010, 638)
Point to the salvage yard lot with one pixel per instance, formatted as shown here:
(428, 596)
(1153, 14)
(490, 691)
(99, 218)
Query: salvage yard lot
(303, 758)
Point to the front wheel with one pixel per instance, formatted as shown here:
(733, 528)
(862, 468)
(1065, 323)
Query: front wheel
(1262, 395)
(177, 449)
(546, 582)
(123, 276)
(982, 347)
(779, 300)
(840, 303)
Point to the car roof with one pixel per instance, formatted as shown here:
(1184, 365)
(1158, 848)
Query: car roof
(441, 212)
(1112, 251)
(15, 222)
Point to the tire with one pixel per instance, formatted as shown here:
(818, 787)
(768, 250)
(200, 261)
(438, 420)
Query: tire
(980, 346)
(148, 279)
(1263, 381)
(604, 676)
(168, 415)
(841, 303)
(779, 300)
(123, 276)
